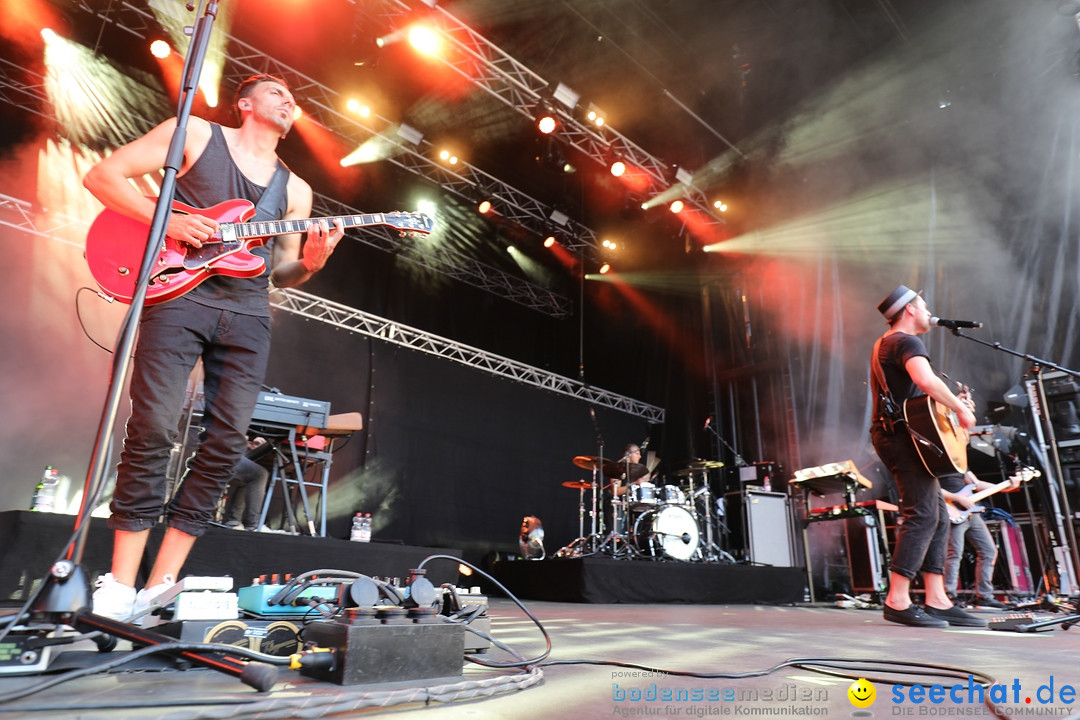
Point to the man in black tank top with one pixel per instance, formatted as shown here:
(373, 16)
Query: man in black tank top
(224, 320)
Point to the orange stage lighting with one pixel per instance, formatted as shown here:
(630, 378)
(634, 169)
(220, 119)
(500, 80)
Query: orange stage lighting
(605, 268)
(703, 229)
(484, 207)
(24, 19)
(425, 40)
(326, 148)
(160, 49)
(677, 206)
(549, 241)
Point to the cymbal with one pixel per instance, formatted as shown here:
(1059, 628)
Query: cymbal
(588, 462)
(631, 471)
(698, 466)
(577, 484)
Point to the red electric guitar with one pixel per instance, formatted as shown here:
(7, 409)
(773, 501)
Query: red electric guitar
(115, 245)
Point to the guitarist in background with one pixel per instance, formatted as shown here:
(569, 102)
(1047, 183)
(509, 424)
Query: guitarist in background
(900, 369)
(974, 529)
(224, 320)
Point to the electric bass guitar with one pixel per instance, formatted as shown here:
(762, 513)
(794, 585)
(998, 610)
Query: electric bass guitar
(115, 246)
(958, 515)
(940, 440)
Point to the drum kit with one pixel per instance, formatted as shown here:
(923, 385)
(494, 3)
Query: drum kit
(632, 517)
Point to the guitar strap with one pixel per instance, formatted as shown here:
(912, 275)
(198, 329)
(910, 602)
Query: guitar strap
(274, 193)
(892, 414)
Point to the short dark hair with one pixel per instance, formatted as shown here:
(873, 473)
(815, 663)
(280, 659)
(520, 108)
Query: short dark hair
(247, 86)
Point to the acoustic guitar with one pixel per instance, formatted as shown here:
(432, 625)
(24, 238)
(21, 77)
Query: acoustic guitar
(938, 436)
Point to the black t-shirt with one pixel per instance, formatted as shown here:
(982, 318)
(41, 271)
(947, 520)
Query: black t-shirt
(953, 482)
(894, 352)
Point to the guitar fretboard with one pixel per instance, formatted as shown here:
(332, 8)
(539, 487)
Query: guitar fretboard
(406, 222)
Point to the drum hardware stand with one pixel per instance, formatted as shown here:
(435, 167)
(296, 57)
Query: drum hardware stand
(585, 544)
(616, 543)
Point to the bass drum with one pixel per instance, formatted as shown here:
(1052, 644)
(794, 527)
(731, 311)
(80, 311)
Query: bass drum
(667, 531)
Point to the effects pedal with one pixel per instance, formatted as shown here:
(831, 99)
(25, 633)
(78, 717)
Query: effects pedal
(1018, 622)
(195, 597)
(471, 608)
(259, 600)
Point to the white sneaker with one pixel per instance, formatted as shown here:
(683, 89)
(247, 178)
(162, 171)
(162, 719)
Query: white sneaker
(113, 599)
(144, 599)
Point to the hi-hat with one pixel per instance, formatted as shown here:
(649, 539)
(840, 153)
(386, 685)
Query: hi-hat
(699, 466)
(577, 484)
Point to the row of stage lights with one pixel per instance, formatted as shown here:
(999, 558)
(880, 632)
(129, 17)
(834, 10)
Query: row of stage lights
(547, 123)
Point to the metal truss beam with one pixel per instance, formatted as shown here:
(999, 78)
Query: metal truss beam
(490, 68)
(323, 103)
(20, 215)
(26, 90)
(346, 318)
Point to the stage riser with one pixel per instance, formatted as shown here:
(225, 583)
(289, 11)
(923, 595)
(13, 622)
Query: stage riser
(606, 580)
(32, 541)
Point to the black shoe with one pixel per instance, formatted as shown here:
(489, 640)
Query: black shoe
(989, 603)
(913, 617)
(956, 616)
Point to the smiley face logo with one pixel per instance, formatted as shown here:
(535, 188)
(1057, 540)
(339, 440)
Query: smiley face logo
(862, 693)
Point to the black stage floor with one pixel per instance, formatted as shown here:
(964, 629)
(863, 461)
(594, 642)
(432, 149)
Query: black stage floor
(708, 639)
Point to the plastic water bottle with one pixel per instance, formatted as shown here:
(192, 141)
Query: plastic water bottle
(361, 528)
(45, 491)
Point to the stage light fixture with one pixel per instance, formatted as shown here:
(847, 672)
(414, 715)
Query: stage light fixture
(618, 168)
(297, 112)
(720, 205)
(425, 40)
(566, 96)
(409, 134)
(596, 116)
(604, 268)
(546, 121)
(485, 207)
(357, 108)
(448, 157)
(559, 218)
(684, 176)
(160, 49)
(676, 206)
(511, 249)
(549, 241)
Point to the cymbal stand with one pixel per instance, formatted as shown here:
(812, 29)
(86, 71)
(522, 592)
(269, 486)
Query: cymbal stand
(585, 544)
(710, 551)
(616, 543)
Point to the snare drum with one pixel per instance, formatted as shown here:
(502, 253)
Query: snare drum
(672, 495)
(641, 496)
(668, 531)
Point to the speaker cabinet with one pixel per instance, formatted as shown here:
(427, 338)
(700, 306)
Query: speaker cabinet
(768, 528)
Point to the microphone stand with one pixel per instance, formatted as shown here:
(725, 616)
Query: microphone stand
(64, 594)
(1063, 535)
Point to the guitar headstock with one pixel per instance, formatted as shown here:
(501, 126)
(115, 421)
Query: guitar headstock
(1026, 473)
(412, 224)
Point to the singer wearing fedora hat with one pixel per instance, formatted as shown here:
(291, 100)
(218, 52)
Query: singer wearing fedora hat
(900, 370)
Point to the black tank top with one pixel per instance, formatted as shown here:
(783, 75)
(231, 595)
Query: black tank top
(215, 178)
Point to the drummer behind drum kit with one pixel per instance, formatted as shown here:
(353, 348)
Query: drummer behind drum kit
(674, 522)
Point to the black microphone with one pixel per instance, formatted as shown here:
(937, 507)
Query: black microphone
(644, 445)
(954, 324)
